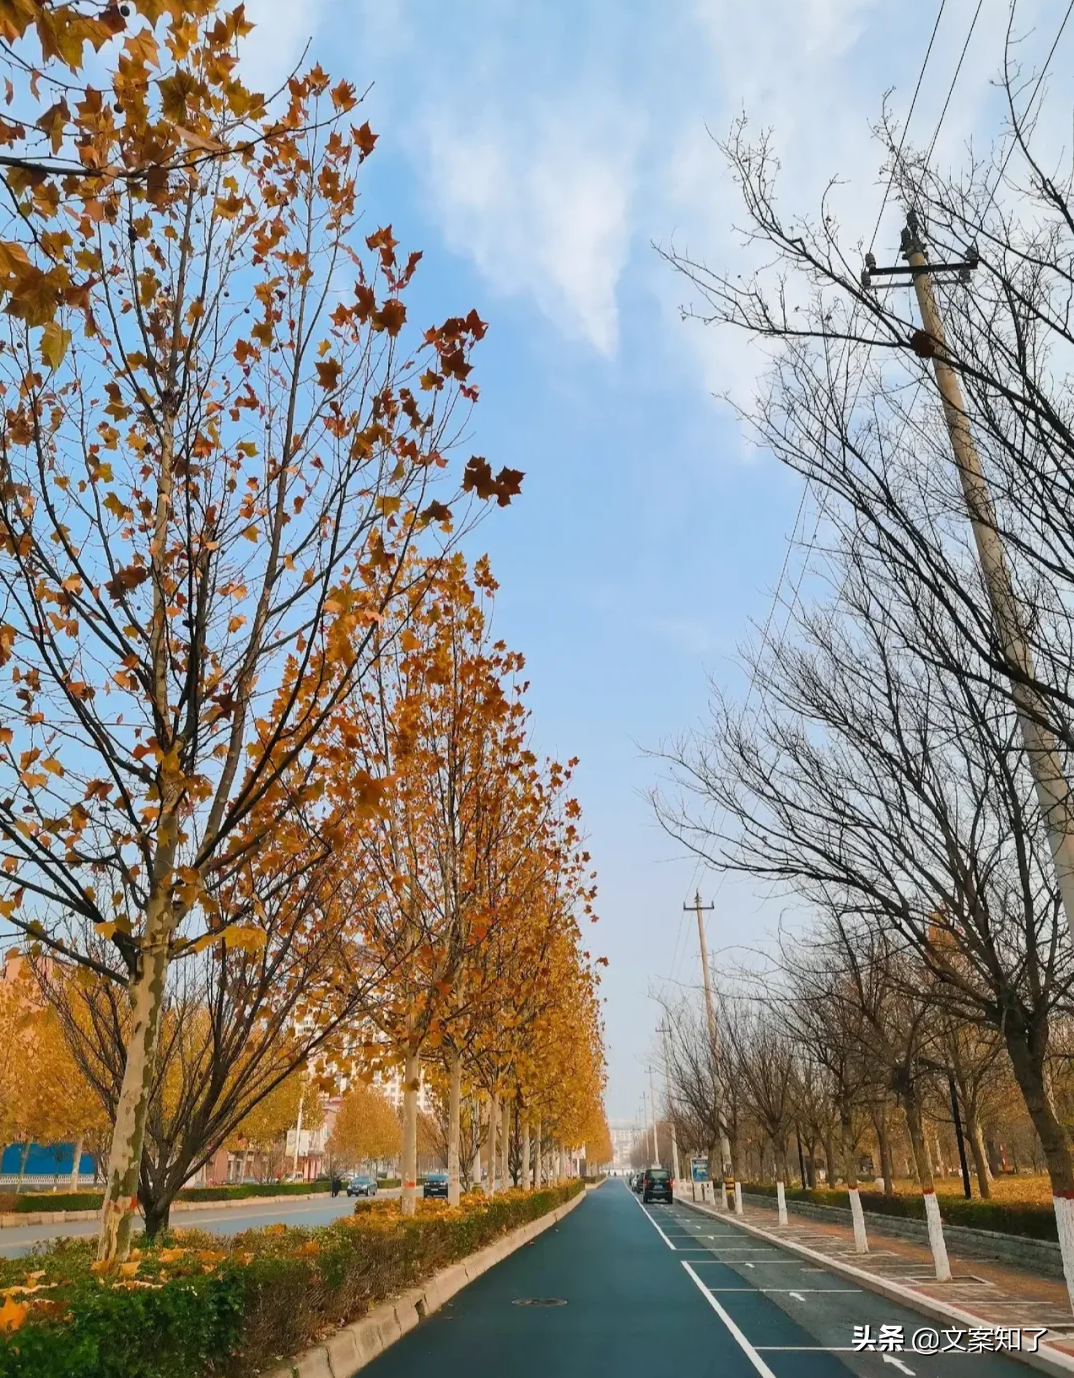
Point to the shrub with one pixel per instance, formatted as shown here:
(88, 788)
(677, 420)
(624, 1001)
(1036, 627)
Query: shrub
(91, 1200)
(195, 1304)
(239, 1191)
(1028, 1220)
(59, 1201)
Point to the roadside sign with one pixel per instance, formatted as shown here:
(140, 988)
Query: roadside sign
(699, 1169)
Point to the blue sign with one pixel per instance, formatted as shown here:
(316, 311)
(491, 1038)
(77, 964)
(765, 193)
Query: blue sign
(699, 1169)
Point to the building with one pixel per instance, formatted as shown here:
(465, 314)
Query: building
(390, 1085)
(624, 1135)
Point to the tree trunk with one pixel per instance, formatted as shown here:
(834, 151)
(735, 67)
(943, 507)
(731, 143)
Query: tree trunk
(22, 1164)
(977, 1148)
(537, 1158)
(912, 1111)
(883, 1143)
(494, 1134)
(1027, 1048)
(850, 1169)
(411, 1079)
(156, 1215)
(811, 1164)
(525, 1155)
(505, 1146)
(830, 1169)
(76, 1165)
(146, 989)
(454, 1110)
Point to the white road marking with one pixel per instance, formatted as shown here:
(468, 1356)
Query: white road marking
(841, 1290)
(898, 1363)
(796, 1295)
(736, 1334)
(656, 1227)
(749, 1265)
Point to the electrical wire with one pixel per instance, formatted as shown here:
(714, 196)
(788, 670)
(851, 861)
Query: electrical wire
(951, 89)
(906, 126)
(1029, 106)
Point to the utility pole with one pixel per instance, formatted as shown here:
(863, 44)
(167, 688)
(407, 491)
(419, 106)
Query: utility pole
(1042, 750)
(663, 1031)
(652, 1106)
(710, 1016)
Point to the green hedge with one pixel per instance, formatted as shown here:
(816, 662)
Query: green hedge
(1030, 1221)
(240, 1191)
(233, 1307)
(91, 1200)
(58, 1201)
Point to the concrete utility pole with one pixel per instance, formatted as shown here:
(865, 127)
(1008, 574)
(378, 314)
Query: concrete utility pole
(1011, 620)
(710, 1016)
(1042, 750)
(652, 1103)
(663, 1031)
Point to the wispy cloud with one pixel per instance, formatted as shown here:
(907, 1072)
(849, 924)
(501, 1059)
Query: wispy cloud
(541, 205)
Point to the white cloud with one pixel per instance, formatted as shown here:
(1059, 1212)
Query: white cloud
(542, 206)
(282, 30)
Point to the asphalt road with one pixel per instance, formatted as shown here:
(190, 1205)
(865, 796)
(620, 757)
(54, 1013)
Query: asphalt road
(317, 1210)
(662, 1290)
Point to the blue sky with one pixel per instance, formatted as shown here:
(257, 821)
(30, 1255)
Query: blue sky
(535, 152)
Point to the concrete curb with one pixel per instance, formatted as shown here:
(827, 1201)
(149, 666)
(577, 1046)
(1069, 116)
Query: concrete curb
(12, 1219)
(348, 1350)
(1047, 1359)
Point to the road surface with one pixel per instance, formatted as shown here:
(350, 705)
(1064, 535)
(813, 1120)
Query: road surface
(315, 1210)
(662, 1290)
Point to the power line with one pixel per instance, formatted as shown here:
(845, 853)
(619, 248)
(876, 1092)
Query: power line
(906, 126)
(1029, 106)
(951, 88)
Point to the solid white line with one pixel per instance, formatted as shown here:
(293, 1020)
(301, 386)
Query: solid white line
(794, 1292)
(655, 1226)
(736, 1334)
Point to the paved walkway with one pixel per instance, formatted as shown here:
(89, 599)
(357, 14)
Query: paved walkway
(989, 1294)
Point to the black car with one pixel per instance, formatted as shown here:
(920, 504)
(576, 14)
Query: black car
(361, 1186)
(436, 1184)
(656, 1185)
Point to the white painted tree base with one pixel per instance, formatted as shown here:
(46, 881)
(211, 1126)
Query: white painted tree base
(936, 1239)
(1064, 1220)
(861, 1239)
(781, 1202)
(738, 1198)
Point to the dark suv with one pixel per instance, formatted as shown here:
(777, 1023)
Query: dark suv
(656, 1185)
(436, 1184)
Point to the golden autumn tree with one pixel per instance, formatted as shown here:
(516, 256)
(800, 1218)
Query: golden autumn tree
(444, 723)
(218, 449)
(366, 1128)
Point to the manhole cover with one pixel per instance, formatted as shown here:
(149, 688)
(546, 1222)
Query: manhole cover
(539, 1301)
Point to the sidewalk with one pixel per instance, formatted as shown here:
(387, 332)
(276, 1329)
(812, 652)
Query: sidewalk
(980, 1294)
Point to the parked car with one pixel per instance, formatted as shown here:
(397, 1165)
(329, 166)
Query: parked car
(436, 1184)
(361, 1186)
(656, 1185)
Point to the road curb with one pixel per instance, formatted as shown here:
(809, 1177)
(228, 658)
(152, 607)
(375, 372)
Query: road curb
(10, 1220)
(1047, 1359)
(353, 1346)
